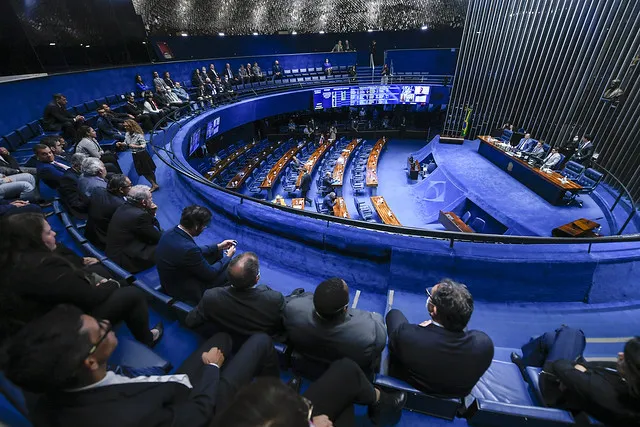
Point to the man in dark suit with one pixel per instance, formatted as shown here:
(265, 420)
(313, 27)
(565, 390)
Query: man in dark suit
(228, 73)
(83, 392)
(328, 202)
(185, 269)
(244, 307)
(327, 182)
(212, 73)
(106, 127)
(10, 166)
(134, 231)
(50, 170)
(526, 144)
(68, 188)
(439, 356)
(305, 185)
(585, 151)
(146, 120)
(57, 143)
(323, 327)
(568, 381)
(56, 118)
(103, 203)
(277, 70)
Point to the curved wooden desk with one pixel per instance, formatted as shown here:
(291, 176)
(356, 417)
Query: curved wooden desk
(372, 164)
(313, 159)
(272, 176)
(340, 208)
(384, 211)
(222, 164)
(338, 170)
(237, 181)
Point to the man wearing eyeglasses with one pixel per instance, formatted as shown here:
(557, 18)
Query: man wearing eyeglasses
(439, 356)
(323, 327)
(63, 356)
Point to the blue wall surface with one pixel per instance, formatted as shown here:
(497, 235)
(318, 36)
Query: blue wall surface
(24, 100)
(432, 61)
(495, 272)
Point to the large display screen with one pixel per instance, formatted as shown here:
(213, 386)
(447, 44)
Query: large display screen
(196, 140)
(370, 95)
(213, 127)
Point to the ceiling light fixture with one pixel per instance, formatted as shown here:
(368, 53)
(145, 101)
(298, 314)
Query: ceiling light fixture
(221, 34)
(184, 34)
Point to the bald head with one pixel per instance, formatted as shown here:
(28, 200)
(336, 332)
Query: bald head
(244, 270)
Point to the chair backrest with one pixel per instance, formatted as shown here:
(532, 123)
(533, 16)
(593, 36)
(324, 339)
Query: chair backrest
(574, 167)
(13, 394)
(465, 218)
(431, 167)
(478, 224)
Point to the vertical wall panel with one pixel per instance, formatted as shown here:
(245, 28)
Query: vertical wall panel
(544, 65)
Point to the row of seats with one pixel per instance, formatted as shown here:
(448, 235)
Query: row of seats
(588, 178)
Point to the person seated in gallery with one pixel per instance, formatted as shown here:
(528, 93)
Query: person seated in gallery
(552, 160)
(90, 147)
(134, 231)
(242, 307)
(106, 127)
(70, 194)
(102, 205)
(49, 170)
(327, 68)
(94, 176)
(57, 118)
(322, 326)
(608, 391)
(186, 270)
(257, 72)
(63, 358)
(440, 356)
(243, 75)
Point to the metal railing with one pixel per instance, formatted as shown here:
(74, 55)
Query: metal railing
(174, 161)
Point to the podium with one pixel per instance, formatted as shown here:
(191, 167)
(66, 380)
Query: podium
(579, 228)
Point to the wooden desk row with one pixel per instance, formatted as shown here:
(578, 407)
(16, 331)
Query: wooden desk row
(313, 159)
(340, 208)
(338, 170)
(384, 211)
(222, 164)
(453, 222)
(372, 163)
(237, 181)
(275, 171)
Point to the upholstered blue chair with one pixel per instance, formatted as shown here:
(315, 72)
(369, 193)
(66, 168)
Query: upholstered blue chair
(573, 170)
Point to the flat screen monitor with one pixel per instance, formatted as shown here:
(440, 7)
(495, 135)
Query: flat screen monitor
(213, 127)
(347, 96)
(195, 142)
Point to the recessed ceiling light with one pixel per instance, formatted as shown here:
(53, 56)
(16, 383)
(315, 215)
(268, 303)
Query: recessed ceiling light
(255, 34)
(424, 27)
(221, 34)
(293, 33)
(52, 44)
(321, 31)
(369, 31)
(184, 34)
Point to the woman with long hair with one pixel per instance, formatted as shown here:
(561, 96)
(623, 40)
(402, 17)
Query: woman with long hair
(142, 161)
(37, 276)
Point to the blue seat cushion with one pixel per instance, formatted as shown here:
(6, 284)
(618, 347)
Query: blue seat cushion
(502, 383)
(136, 356)
(532, 375)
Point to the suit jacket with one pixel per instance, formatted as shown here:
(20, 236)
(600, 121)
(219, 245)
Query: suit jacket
(305, 184)
(184, 271)
(359, 335)
(600, 392)
(9, 165)
(212, 74)
(242, 311)
(526, 145)
(102, 206)
(584, 153)
(69, 192)
(435, 360)
(133, 109)
(538, 152)
(88, 184)
(551, 160)
(106, 128)
(132, 237)
(148, 404)
(277, 68)
(228, 72)
(327, 203)
(55, 116)
(50, 174)
(39, 281)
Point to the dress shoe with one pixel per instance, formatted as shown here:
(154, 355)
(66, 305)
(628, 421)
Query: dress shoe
(160, 328)
(295, 382)
(388, 406)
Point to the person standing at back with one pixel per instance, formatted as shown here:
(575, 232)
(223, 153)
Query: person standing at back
(186, 270)
(439, 356)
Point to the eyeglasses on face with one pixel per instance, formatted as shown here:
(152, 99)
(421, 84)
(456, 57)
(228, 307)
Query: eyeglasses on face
(105, 328)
